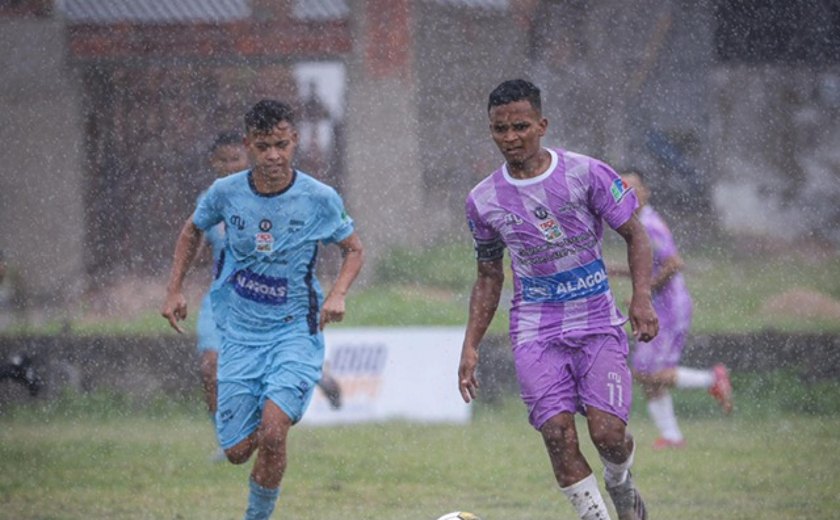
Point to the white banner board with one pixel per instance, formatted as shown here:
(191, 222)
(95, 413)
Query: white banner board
(385, 374)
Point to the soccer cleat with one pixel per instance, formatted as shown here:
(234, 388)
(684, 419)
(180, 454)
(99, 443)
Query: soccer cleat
(627, 500)
(721, 389)
(667, 444)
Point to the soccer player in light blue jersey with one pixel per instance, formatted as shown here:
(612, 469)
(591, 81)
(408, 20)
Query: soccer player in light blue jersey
(227, 156)
(266, 298)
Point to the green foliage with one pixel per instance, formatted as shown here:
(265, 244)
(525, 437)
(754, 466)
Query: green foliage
(449, 266)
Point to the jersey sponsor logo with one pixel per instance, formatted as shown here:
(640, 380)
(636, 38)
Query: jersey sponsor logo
(260, 288)
(619, 189)
(237, 222)
(574, 284)
(265, 225)
(295, 225)
(264, 242)
(551, 230)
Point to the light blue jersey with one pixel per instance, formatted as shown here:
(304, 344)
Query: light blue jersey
(266, 288)
(206, 331)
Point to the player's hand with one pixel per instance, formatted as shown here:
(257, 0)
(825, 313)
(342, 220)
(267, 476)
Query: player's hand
(467, 382)
(643, 319)
(175, 310)
(332, 310)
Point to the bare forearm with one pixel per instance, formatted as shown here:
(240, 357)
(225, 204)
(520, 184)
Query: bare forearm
(484, 300)
(640, 262)
(353, 258)
(186, 248)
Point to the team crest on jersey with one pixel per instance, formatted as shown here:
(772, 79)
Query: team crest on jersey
(551, 230)
(619, 189)
(541, 213)
(265, 225)
(264, 242)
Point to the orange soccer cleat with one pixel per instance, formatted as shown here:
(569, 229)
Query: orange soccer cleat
(721, 390)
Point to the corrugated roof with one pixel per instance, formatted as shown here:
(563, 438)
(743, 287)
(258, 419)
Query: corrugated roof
(483, 4)
(153, 11)
(320, 10)
(186, 11)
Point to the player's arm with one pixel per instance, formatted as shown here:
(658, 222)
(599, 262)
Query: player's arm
(484, 300)
(643, 319)
(352, 258)
(670, 267)
(175, 307)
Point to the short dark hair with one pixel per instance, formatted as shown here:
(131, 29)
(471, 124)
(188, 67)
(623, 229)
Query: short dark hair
(632, 170)
(230, 137)
(267, 114)
(515, 90)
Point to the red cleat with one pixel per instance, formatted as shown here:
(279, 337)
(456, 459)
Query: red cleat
(667, 444)
(721, 390)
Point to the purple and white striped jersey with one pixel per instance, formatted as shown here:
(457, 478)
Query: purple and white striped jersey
(552, 227)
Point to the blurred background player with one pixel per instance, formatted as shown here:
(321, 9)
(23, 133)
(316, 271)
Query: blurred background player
(655, 364)
(227, 156)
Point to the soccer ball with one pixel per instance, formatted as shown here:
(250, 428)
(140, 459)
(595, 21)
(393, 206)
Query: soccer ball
(459, 515)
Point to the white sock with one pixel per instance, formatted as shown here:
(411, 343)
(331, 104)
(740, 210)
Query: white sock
(615, 474)
(586, 499)
(694, 378)
(661, 410)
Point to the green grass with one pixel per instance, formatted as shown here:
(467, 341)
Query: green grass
(432, 287)
(87, 457)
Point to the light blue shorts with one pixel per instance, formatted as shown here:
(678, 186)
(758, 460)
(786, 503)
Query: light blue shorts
(206, 330)
(285, 372)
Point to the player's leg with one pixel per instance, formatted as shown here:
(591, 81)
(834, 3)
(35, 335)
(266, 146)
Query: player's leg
(207, 368)
(548, 390)
(571, 470)
(289, 382)
(209, 342)
(332, 390)
(616, 448)
(606, 389)
(270, 464)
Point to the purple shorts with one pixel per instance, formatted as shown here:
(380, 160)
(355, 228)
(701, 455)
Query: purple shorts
(572, 371)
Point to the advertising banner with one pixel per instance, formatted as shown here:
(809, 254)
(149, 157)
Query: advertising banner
(401, 373)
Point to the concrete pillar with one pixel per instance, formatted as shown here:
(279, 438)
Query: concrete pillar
(384, 191)
(41, 148)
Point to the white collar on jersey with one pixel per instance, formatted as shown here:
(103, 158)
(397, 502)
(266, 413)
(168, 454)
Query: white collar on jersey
(533, 180)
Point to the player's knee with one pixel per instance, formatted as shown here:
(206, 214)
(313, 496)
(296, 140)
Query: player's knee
(608, 439)
(240, 453)
(560, 433)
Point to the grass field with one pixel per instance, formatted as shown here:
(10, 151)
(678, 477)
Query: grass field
(86, 458)
(432, 288)
(776, 458)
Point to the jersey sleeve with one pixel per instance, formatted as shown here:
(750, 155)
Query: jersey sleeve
(338, 223)
(609, 197)
(208, 210)
(489, 245)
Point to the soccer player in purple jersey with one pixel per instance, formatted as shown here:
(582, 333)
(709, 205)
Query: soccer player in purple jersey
(656, 363)
(547, 207)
